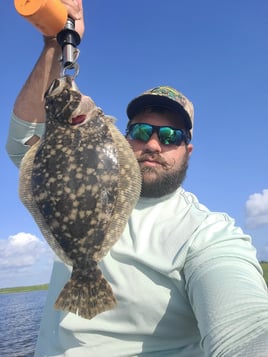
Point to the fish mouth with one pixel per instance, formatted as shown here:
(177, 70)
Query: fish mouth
(79, 119)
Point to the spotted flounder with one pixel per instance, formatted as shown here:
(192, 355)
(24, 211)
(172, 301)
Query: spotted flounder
(80, 182)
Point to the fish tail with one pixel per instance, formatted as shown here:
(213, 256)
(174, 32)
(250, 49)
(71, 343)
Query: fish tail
(87, 293)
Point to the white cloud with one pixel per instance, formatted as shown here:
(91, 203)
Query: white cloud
(24, 260)
(21, 250)
(257, 209)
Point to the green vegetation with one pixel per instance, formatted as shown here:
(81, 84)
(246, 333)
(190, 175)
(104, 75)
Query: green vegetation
(265, 270)
(23, 289)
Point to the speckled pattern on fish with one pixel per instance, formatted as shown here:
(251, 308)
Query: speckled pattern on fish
(80, 182)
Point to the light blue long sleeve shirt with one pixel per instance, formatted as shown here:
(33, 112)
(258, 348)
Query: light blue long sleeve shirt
(187, 284)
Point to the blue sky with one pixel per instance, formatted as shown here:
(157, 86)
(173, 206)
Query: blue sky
(215, 52)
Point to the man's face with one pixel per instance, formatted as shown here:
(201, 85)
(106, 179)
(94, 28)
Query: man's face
(163, 167)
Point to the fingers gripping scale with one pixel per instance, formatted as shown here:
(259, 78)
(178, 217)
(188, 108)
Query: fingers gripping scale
(51, 18)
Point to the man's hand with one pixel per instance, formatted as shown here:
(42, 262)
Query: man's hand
(75, 10)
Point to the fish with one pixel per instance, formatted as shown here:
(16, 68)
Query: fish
(80, 182)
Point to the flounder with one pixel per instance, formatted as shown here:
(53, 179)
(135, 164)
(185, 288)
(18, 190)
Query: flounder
(80, 182)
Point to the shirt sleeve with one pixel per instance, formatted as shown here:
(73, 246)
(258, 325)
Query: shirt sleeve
(257, 347)
(20, 131)
(226, 290)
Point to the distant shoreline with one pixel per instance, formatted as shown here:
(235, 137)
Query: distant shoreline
(21, 289)
(264, 266)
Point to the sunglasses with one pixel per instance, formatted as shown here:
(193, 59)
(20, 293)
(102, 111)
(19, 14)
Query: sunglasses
(166, 134)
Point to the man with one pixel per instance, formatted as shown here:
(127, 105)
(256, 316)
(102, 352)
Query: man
(187, 280)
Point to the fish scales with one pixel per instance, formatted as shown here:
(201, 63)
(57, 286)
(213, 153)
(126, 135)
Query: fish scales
(80, 182)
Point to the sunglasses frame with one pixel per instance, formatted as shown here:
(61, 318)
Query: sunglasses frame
(156, 129)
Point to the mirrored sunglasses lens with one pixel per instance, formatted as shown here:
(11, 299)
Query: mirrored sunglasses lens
(141, 132)
(170, 136)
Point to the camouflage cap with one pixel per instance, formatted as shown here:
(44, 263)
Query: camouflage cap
(166, 97)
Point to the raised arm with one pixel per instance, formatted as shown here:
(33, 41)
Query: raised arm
(29, 104)
(29, 114)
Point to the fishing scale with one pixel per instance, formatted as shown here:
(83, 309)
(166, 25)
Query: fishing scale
(51, 18)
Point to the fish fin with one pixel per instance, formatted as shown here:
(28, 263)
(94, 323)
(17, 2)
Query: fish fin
(27, 198)
(129, 188)
(87, 293)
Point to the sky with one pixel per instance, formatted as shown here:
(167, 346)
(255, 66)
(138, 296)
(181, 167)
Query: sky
(215, 52)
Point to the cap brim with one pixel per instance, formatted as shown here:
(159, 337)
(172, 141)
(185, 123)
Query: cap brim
(148, 100)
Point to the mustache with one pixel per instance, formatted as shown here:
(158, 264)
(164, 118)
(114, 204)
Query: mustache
(157, 158)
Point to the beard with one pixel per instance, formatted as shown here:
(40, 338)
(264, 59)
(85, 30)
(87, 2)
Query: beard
(158, 183)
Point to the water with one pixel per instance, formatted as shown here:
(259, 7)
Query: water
(20, 315)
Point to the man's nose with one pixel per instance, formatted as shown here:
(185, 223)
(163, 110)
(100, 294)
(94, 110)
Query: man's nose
(153, 144)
